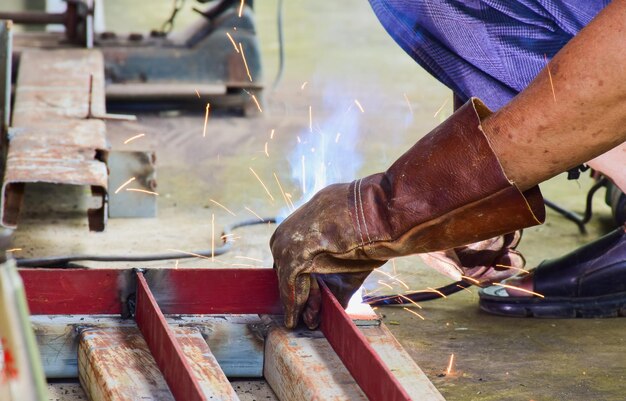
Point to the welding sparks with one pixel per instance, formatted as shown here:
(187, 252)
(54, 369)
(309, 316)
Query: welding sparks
(408, 102)
(470, 279)
(519, 289)
(241, 8)
(550, 76)
(14, 249)
(449, 370)
(413, 312)
(249, 258)
(245, 63)
(283, 192)
(266, 152)
(222, 206)
(381, 282)
(212, 237)
(436, 292)
(232, 41)
(513, 267)
(303, 85)
(358, 104)
(258, 105)
(441, 108)
(262, 183)
(197, 93)
(392, 277)
(256, 215)
(132, 138)
(142, 191)
(124, 184)
(465, 288)
(206, 119)
(310, 119)
(189, 253)
(393, 265)
(337, 137)
(410, 300)
(272, 134)
(176, 264)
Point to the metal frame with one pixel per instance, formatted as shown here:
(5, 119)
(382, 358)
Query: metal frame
(198, 291)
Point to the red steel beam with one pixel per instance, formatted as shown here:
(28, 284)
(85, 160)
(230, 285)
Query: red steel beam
(216, 291)
(72, 291)
(178, 291)
(362, 361)
(164, 347)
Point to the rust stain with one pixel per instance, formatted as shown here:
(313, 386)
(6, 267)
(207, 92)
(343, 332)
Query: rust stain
(51, 139)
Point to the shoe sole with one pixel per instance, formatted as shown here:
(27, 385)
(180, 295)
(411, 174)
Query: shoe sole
(613, 305)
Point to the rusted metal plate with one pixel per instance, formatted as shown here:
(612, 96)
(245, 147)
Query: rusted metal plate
(367, 368)
(59, 84)
(404, 368)
(167, 352)
(115, 363)
(212, 380)
(54, 137)
(300, 365)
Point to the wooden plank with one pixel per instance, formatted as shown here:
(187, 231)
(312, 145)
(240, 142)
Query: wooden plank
(116, 364)
(300, 365)
(400, 363)
(213, 382)
(236, 341)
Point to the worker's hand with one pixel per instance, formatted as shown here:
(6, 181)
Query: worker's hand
(481, 263)
(307, 242)
(446, 191)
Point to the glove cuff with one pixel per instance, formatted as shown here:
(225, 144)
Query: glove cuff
(448, 190)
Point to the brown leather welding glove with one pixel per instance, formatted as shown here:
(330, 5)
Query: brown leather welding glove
(481, 263)
(448, 190)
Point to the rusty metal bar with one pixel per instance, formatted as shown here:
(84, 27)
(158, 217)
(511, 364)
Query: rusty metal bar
(164, 347)
(367, 368)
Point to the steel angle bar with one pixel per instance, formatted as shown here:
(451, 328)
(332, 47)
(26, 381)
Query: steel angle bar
(366, 367)
(164, 347)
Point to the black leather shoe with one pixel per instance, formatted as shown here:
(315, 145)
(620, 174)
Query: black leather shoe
(588, 282)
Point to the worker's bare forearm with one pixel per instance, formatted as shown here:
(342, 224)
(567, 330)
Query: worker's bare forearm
(571, 112)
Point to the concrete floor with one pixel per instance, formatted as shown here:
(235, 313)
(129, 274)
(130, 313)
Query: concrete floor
(343, 54)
